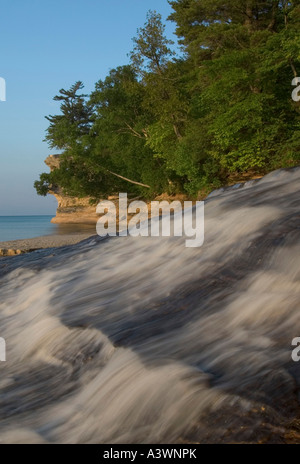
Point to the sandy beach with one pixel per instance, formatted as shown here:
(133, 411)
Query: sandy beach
(17, 247)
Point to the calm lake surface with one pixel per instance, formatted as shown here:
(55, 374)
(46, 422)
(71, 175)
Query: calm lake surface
(22, 227)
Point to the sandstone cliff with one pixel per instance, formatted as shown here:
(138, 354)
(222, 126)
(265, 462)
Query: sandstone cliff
(70, 210)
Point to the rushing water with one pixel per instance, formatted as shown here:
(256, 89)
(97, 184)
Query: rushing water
(142, 340)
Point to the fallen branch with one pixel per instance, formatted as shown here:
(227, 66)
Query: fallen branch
(128, 180)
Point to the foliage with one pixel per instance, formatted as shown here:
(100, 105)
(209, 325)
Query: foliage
(174, 124)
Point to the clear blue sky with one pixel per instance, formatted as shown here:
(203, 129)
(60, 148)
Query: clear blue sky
(48, 45)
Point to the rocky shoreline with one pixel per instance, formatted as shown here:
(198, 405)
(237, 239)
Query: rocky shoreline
(18, 247)
(70, 210)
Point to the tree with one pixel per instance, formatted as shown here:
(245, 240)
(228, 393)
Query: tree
(121, 129)
(152, 51)
(173, 124)
(245, 55)
(74, 122)
(163, 77)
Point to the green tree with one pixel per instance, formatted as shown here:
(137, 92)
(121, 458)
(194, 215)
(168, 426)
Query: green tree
(245, 54)
(121, 129)
(151, 52)
(182, 124)
(163, 77)
(75, 121)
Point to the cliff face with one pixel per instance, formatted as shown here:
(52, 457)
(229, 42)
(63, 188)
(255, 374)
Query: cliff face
(71, 210)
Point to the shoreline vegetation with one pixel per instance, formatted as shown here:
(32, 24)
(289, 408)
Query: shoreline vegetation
(185, 118)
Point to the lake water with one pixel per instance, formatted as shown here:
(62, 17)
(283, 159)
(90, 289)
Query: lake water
(23, 227)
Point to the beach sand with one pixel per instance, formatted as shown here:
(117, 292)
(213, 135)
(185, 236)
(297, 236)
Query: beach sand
(18, 247)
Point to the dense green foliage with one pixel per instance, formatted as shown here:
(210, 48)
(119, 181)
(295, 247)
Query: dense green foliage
(181, 125)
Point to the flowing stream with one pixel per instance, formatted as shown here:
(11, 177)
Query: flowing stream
(142, 340)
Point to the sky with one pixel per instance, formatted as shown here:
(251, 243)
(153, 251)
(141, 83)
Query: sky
(48, 45)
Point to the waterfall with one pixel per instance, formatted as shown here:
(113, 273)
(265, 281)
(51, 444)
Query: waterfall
(143, 340)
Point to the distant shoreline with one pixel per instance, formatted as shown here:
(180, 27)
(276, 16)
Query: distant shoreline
(18, 247)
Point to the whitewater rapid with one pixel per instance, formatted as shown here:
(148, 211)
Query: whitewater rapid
(142, 340)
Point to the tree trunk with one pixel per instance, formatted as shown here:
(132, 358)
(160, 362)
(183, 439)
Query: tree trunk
(272, 24)
(249, 16)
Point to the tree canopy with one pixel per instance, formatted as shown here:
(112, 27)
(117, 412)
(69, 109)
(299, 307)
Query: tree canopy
(183, 122)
